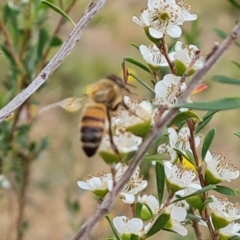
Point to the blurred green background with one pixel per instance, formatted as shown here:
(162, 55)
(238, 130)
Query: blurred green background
(53, 198)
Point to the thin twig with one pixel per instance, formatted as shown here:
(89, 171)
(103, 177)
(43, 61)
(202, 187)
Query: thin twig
(195, 226)
(86, 229)
(164, 51)
(56, 61)
(56, 31)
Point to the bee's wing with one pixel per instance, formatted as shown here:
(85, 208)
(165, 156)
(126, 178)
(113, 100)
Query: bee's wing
(69, 104)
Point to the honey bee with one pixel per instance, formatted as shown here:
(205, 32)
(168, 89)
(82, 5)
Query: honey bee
(103, 99)
(98, 105)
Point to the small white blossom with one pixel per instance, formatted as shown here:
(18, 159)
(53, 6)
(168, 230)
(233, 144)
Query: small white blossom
(165, 88)
(126, 227)
(224, 210)
(150, 201)
(180, 140)
(99, 185)
(177, 216)
(179, 177)
(187, 54)
(125, 141)
(135, 184)
(230, 230)
(220, 169)
(138, 113)
(186, 8)
(4, 182)
(152, 55)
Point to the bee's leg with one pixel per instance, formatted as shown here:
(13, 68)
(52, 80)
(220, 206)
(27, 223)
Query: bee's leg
(129, 110)
(114, 147)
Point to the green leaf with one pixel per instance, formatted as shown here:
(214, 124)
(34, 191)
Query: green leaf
(226, 80)
(58, 10)
(143, 83)
(158, 224)
(215, 105)
(183, 116)
(138, 209)
(56, 41)
(160, 179)
(113, 228)
(234, 238)
(236, 63)
(225, 190)
(205, 189)
(183, 154)
(193, 217)
(237, 134)
(43, 38)
(235, 3)
(207, 142)
(220, 33)
(156, 157)
(207, 201)
(206, 119)
(138, 64)
(135, 45)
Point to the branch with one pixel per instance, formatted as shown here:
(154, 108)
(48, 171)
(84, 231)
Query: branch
(92, 8)
(103, 209)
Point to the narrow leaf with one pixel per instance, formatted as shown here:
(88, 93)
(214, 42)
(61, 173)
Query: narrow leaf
(205, 189)
(113, 228)
(183, 116)
(142, 82)
(220, 33)
(58, 10)
(138, 64)
(156, 157)
(56, 41)
(158, 224)
(225, 190)
(207, 142)
(219, 104)
(226, 80)
(135, 45)
(206, 119)
(235, 3)
(237, 134)
(207, 201)
(160, 179)
(236, 63)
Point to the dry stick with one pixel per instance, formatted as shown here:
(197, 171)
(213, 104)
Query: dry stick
(86, 229)
(66, 48)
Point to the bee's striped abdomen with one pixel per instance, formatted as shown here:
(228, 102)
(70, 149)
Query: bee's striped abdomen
(92, 128)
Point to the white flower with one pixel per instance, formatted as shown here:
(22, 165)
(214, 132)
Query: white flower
(126, 227)
(151, 202)
(223, 211)
(134, 185)
(186, 8)
(165, 16)
(179, 177)
(99, 185)
(230, 230)
(218, 169)
(187, 54)
(138, 113)
(4, 182)
(125, 141)
(164, 89)
(177, 215)
(152, 55)
(180, 140)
